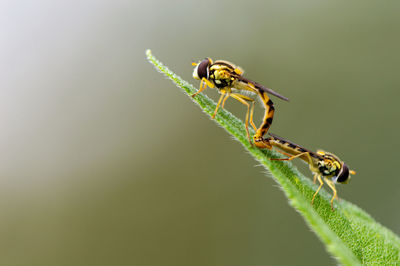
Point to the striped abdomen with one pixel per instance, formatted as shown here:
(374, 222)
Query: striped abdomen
(268, 117)
(293, 149)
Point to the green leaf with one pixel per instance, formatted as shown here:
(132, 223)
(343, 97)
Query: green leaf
(350, 234)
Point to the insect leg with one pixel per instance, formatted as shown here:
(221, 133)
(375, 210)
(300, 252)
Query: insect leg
(243, 99)
(226, 98)
(332, 186)
(284, 153)
(321, 183)
(223, 92)
(203, 85)
(291, 157)
(249, 99)
(252, 89)
(251, 117)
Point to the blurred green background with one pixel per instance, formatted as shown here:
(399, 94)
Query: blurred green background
(105, 162)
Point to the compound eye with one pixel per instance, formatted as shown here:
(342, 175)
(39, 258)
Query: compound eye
(343, 175)
(203, 70)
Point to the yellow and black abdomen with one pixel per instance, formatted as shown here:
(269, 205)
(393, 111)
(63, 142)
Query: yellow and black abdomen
(285, 146)
(293, 149)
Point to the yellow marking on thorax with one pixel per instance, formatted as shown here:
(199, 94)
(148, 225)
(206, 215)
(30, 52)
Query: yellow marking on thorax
(221, 74)
(218, 67)
(331, 159)
(238, 71)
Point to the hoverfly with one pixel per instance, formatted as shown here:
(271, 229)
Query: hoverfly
(321, 163)
(228, 79)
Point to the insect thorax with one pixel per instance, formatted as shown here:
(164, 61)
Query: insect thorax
(221, 76)
(328, 167)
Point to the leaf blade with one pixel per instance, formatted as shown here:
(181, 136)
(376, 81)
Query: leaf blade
(351, 235)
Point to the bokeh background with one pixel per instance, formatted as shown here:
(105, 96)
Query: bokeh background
(105, 162)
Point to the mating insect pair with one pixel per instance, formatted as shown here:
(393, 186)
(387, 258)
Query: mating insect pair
(228, 79)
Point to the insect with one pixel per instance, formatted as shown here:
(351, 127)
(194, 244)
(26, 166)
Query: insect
(228, 79)
(321, 163)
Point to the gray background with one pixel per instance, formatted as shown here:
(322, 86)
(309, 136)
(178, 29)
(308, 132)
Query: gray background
(105, 162)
